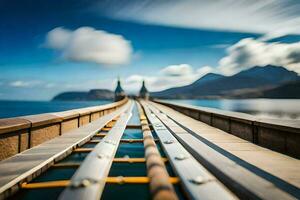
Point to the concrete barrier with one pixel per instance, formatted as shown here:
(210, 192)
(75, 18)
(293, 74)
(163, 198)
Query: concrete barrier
(21, 133)
(276, 134)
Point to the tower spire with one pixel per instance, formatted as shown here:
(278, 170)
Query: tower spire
(144, 92)
(119, 92)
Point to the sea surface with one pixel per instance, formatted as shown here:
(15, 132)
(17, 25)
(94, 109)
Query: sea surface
(264, 108)
(21, 108)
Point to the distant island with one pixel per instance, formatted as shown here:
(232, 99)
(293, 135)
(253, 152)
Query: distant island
(257, 82)
(92, 95)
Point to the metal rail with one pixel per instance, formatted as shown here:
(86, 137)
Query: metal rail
(89, 180)
(197, 181)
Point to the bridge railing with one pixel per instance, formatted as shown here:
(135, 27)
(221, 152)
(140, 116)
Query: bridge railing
(276, 134)
(21, 133)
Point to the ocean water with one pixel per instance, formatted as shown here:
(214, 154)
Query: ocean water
(264, 108)
(21, 108)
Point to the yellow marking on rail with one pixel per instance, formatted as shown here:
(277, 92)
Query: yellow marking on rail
(94, 141)
(110, 124)
(105, 129)
(83, 150)
(122, 140)
(48, 184)
(132, 140)
(101, 134)
(130, 160)
(135, 180)
(111, 180)
(66, 165)
(133, 126)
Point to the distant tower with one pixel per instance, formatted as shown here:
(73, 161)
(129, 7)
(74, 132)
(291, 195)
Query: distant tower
(144, 92)
(119, 92)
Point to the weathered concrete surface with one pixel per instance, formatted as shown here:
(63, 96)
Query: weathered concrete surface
(242, 130)
(40, 135)
(84, 120)
(21, 133)
(69, 125)
(24, 140)
(9, 146)
(13, 124)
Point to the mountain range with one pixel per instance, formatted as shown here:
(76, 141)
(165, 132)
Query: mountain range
(257, 82)
(92, 95)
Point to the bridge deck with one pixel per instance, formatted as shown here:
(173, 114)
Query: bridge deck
(281, 170)
(276, 164)
(159, 152)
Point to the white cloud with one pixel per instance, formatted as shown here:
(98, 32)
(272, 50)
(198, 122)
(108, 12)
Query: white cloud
(177, 70)
(31, 84)
(170, 76)
(58, 38)
(23, 84)
(250, 52)
(86, 44)
(50, 85)
(271, 17)
(204, 70)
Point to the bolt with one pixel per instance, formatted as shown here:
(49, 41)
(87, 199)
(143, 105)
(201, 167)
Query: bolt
(110, 142)
(169, 141)
(120, 180)
(76, 184)
(85, 182)
(100, 156)
(197, 180)
(81, 183)
(181, 157)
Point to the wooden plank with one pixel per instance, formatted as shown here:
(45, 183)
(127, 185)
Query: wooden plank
(243, 182)
(197, 181)
(24, 165)
(89, 180)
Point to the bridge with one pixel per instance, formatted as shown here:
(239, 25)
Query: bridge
(145, 149)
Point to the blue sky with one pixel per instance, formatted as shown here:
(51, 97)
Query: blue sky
(45, 50)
